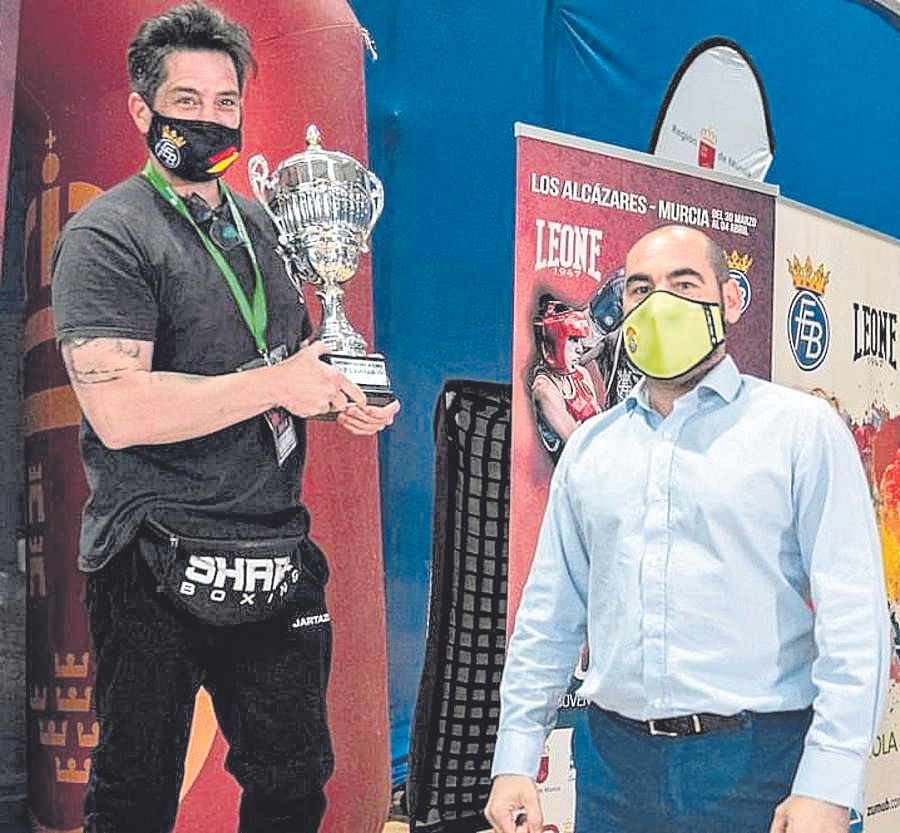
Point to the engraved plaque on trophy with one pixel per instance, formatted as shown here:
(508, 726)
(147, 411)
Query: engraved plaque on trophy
(324, 205)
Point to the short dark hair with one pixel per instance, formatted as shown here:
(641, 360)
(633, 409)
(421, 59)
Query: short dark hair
(189, 26)
(718, 261)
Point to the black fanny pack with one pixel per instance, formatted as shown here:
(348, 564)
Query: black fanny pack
(226, 582)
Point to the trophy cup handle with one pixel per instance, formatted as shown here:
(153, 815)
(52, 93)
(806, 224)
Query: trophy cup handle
(376, 195)
(260, 183)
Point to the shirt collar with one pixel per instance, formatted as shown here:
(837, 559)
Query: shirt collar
(637, 396)
(724, 380)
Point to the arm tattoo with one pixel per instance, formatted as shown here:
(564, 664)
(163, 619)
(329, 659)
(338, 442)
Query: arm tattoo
(87, 370)
(129, 348)
(94, 375)
(89, 373)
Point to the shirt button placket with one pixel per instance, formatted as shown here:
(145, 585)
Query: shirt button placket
(653, 567)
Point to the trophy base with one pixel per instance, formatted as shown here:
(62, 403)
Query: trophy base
(369, 372)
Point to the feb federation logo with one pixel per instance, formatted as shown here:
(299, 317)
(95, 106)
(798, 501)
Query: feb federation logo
(738, 270)
(808, 329)
(168, 148)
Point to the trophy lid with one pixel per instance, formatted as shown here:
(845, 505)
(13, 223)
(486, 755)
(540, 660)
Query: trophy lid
(316, 163)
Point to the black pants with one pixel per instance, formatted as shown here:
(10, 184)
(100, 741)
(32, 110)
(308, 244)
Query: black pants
(267, 682)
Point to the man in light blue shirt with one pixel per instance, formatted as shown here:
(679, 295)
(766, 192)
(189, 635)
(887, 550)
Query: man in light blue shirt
(713, 539)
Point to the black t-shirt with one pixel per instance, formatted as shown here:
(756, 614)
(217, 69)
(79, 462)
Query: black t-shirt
(128, 265)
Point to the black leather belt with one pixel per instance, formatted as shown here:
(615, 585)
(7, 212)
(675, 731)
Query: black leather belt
(703, 723)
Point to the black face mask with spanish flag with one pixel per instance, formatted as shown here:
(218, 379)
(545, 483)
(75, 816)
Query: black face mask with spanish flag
(196, 151)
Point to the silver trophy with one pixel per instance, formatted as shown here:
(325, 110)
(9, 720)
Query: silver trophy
(324, 205)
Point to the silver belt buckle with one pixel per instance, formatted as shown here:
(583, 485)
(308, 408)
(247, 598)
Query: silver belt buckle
(651, 725)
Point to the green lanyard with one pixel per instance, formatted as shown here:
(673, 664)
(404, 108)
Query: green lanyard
(254, 314)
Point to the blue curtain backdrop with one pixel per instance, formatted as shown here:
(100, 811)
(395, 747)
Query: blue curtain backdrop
(451, 80)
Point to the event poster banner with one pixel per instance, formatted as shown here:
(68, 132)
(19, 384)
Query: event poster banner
(580, 206)
(837, 298)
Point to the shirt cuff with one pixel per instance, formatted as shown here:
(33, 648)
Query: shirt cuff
(831, 776)
(517, 753)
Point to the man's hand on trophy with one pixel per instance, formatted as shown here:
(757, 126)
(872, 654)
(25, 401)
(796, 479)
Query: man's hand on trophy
(366, 420)
(309, 387)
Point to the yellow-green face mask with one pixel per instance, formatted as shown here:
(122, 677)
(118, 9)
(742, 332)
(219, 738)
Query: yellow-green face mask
(665, 335)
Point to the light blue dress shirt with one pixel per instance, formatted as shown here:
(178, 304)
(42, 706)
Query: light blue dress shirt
(722, 559)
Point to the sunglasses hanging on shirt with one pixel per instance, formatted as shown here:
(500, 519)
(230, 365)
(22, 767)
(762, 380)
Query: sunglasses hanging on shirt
(215, 222)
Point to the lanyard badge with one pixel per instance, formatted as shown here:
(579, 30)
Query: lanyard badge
(279, 420)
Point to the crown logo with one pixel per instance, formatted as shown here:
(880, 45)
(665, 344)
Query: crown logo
(806, 276)
(739, 262)
(708, 135)
(71, 668)
(170, 134)
(88, 738)
(72, 702)
(38, 699)
(72, 773)
(53, 733)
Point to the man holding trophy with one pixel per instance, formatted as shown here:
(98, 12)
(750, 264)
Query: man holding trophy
(190, 353)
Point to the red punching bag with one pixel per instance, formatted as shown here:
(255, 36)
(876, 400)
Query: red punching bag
(71, 106)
